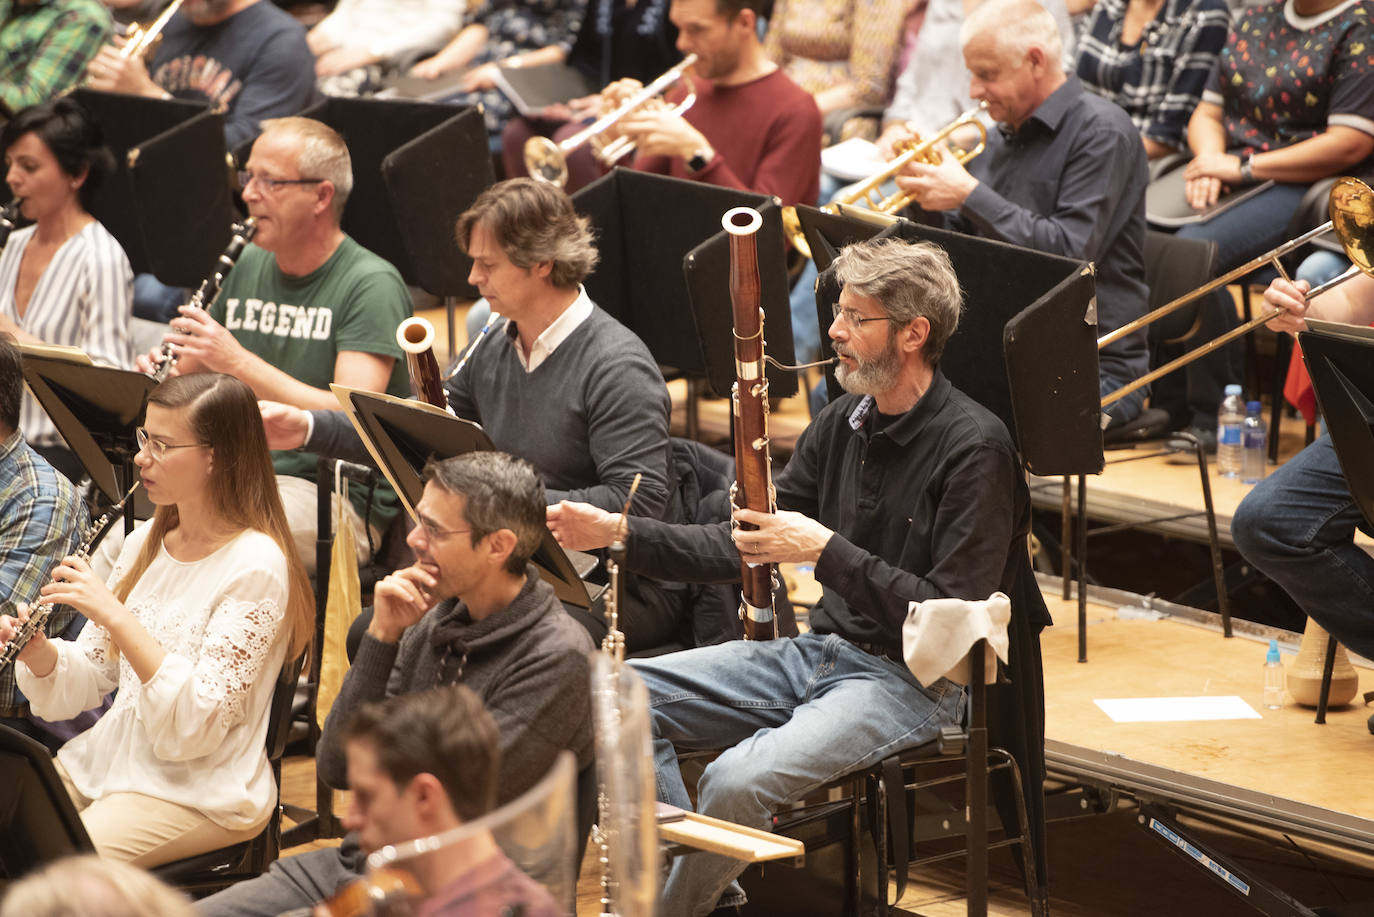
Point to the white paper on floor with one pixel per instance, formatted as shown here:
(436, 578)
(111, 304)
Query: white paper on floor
(1175, 709)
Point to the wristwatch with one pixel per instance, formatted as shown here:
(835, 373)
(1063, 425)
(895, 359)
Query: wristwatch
(1247, 172)
(700, 159)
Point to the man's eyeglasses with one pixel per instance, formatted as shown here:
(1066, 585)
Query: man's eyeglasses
(434, 533)
(158, 448)
(270, 185)
(853, 319)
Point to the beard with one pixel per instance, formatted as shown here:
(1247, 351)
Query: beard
(870, 375)
(201, 10)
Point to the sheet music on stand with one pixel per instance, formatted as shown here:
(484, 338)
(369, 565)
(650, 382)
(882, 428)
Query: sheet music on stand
(95, 409)
(402, 435)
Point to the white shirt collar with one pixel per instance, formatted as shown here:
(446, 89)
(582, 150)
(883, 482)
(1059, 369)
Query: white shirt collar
(557, 332)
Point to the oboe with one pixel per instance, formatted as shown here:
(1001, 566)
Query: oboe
(38, 614)
(242, 234)
(753, 487)
(9, 216)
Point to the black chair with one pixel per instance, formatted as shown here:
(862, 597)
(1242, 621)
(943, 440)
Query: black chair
(38, 822)
(209, 872)
(882, 796)
(1173, 267)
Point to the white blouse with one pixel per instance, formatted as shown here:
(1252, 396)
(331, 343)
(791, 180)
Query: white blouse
(85, 298)
(195, 734)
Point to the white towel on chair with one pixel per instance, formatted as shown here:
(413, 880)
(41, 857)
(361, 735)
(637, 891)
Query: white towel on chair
(938, 634)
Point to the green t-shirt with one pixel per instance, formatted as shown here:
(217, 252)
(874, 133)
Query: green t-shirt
(353, 301)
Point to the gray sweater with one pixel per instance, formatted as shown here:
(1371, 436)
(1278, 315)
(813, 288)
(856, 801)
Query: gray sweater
(527, 662)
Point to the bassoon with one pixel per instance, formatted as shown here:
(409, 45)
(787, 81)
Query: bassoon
(753, 487)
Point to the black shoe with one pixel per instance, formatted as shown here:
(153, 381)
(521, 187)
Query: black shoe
(1184, 448)
(1371, 725)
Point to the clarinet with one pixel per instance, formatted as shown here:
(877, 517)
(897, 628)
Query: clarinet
(9, 216)
(753, 487)
(242, 234)
(38, 615)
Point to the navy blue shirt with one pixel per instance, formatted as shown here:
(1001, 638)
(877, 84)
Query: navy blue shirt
(1071, 181)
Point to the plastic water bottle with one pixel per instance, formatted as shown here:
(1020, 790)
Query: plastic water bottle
(1230, 420)
(1252, 444)
(1273, 677)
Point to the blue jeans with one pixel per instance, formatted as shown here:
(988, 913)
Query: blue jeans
(1248, 229)
(1298, 527)
(1321, 266)
(792, 714)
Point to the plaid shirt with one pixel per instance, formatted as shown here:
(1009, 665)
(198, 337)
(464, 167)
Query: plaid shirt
(1160, 79)
(45, 47)
(41, 521)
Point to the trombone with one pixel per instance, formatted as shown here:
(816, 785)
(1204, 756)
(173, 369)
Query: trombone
(1351, 206)
(868, 193)
(548, 161)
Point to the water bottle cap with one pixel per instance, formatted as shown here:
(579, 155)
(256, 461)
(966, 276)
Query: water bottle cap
(1273, 655)
(1233, 390)
(1252, 407)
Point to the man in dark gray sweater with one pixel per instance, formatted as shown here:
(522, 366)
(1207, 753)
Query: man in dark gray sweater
(496, 628)
(558, 382)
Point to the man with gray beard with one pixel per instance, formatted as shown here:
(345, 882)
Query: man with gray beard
(902, 490)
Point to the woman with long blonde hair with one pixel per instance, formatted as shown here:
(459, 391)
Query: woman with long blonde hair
(207, 601)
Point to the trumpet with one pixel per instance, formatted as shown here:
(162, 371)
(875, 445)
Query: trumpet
(1351, 207)
(140, 40)
(868, 193)
(548, 161)
(39, 614)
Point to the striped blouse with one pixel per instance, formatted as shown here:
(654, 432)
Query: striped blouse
(84, 299)
(1158, 80)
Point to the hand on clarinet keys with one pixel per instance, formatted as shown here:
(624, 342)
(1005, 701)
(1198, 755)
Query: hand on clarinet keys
(581, 526)
(779, 538)
(11, 625)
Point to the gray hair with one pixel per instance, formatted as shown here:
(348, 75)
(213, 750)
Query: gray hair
(95, 887)
(499, 491)
(323, 154)
(910, 281)
(534, 222)
(1017, 26)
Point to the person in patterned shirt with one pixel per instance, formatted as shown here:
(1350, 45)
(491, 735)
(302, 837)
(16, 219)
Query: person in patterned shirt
(41, 521)
(45, 46)
(1291, 99)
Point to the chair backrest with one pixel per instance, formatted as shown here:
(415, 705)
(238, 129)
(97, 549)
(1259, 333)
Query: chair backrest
(1173, 267)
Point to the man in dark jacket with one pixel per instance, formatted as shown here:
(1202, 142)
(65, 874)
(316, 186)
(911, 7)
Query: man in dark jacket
(473, 611)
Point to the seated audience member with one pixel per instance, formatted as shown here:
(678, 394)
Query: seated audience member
(1064, 174)
(621, 39)
(1265, 115)
(840, 51)
(305, 306)
(42, 520)
(424, 763)
(793, 714)
(64, 280)
(472, 610)
(95, 887)
(44, 48)
(557, 381)
(360, 39)
(208, 602)
(1297, 526)
(247, 58)
(504, 33)
(1153, 58)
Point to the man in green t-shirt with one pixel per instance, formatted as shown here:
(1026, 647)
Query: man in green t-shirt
(305, 306)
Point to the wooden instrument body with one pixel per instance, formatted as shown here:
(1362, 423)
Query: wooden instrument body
(749, 403)
(416, 337)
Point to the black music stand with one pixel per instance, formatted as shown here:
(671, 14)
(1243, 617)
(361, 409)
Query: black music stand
(38, 822)
(96, 410)
(826, 233)
(403, 435)
(1340, 360)
(433, 161)
(659, 280)
(168, 203)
